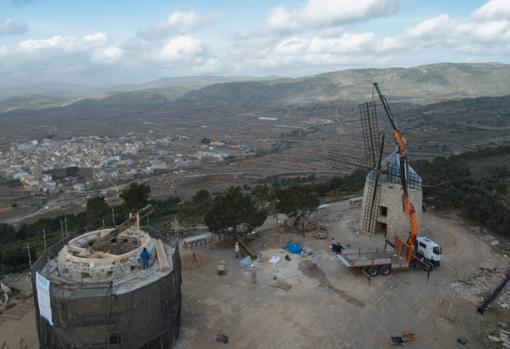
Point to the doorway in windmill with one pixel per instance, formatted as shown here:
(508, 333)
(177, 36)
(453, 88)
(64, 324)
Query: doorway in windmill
(381, 228)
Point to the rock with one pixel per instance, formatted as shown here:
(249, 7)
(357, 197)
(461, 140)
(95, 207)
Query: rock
(506, 345)
(495, 243)
(493, 339)
(485, 266)
(462, 340)
(307, 251)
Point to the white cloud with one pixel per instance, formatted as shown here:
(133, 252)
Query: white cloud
(179, 22)
(10, 27)
(95, 39)
(326, 52)
(180, 49)
(60, 43)
(306, 39)
(476, 34)
(107, 55)
(323, 13)
(210, 65)
(494, 9)
(430, 28)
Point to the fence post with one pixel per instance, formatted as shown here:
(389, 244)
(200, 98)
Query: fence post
(29, 256)
(44, 238)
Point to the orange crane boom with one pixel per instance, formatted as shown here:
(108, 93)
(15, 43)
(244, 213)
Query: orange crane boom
(407, 206)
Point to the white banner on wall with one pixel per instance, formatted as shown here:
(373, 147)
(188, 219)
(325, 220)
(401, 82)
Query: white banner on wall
(43, 297)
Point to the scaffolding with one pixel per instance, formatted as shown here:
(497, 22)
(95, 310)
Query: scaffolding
(98, 316)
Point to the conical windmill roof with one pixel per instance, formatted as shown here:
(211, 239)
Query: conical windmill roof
(391, 172)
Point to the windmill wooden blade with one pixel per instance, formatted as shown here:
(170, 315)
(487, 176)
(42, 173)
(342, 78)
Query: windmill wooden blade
(370, 131)
(373, 198)
(339, 161)
(374, 194)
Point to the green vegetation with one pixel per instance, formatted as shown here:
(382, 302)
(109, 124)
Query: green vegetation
(97, 211)
(72, 171)
(481, 197)
(136, 196)
(233, 208)
(7, 233)
(295, 198)
(12, 183)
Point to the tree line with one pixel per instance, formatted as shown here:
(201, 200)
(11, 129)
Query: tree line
(450, 184)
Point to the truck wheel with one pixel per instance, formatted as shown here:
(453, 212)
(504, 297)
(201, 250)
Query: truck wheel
(385, 270)
(427, 267)
(373, 271)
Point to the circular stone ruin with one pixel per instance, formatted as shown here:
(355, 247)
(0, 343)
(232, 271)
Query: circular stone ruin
(101, 297)
(118, 257)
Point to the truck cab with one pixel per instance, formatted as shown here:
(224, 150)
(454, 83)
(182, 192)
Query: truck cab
(429, 250)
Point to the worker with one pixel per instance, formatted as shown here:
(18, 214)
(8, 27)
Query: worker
(145, 257)
(253, 272)
(333, 245)
(237, 249)
(339, 248)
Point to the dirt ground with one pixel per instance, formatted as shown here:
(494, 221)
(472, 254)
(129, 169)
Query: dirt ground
(327, 305)
(330, 307)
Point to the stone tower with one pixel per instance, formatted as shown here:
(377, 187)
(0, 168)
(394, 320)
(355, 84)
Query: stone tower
(389, 218)
(107, 299)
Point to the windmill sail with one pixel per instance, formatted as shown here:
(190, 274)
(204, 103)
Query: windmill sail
(370, 132)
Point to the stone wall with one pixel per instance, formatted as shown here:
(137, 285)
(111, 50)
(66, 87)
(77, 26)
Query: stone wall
(391, 219)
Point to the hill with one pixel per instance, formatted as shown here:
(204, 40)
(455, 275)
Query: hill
(457, 86)
(421, 84)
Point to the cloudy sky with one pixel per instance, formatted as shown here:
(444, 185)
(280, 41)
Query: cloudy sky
(125, 41)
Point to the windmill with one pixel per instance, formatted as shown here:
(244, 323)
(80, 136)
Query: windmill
(393, 169)
(373, 145)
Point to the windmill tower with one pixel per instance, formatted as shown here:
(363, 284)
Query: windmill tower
(381, 209)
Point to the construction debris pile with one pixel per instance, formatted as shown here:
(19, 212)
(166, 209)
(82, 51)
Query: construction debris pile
(501, 335)
(14, 288)
(479, 283)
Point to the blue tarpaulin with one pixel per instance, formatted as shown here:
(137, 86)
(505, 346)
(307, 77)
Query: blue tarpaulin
(246, 261)
(294, 247)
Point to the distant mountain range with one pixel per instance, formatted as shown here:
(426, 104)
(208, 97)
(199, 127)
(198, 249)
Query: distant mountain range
(423, 84)
(429, 83)
(54, 94)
